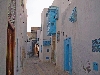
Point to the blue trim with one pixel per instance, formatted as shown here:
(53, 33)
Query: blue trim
(52, 16)
(46, 43)
(96, 45)
(95, 66)
(73, 16)
(68, 55)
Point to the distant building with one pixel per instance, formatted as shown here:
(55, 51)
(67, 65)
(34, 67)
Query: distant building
(29, 35)
(38, 36)
(34, 32)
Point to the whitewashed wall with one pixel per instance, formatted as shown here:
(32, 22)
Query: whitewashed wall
(43, 36)
(86, 29)
(38, 35)
(21, 35)
(3, 36)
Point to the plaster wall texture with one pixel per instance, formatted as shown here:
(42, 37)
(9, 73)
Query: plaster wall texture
(62, 5)
(38, 35)
(20, 37)
(41, 48)
(60, 45)
(3, 36)
(57, 3)
(43, 36)
(29, 46)
(82, 32)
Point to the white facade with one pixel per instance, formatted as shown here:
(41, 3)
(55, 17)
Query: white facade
(29, 48)
(38, 35)
(20, 36)
(44, 55)
(3, 36)
(86, 29)
(82, 32)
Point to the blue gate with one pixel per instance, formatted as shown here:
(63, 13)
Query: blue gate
(68, 55)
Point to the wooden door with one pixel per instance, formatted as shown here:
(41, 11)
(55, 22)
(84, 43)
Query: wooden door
(10, 50)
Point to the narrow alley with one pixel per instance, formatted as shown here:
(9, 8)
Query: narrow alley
(49, 37)
(33, 66)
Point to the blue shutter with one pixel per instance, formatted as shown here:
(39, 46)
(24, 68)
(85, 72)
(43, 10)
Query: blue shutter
(52, 16)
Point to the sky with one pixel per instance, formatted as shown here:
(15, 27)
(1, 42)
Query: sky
(34, 9)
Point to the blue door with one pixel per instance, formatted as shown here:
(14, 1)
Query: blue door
(68, 55)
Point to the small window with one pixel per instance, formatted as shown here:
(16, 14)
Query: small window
(41, 48)
(47, 50)
(46, 14)
(37, 39)
(63, 33)
(47, 57)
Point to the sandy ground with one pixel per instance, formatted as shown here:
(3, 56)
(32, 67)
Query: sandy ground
(33, 66)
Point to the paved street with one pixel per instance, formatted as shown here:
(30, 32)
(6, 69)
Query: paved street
(33, 66)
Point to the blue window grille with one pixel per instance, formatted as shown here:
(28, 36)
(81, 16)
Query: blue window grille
(46, 43)
(73, 16)
(52, 16)
(96, 45)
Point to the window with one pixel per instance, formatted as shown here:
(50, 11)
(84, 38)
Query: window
(37, 39)
(41, 48)
(47, 57)
(47, 50)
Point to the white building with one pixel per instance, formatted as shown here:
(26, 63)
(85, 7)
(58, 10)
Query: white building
(77, 50)
(13, 21)
(84, 33)
(44, 49)
(38, 35)
(29, 49)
